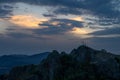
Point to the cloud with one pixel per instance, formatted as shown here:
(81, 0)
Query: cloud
(28, 21)
(67, 11)
(110, 31)
(81, 31)
(49, 15)
(5, 10)
(93, 14)
(57, 26)
(113, 32)
(103, 9)
(16, 32)
(79, 18)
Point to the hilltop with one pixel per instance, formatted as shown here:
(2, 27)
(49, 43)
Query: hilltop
(83, 63)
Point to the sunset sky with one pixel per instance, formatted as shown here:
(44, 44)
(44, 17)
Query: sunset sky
(35, 26)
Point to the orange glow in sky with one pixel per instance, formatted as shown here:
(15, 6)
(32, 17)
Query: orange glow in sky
(55, 23)
(78, 19)
(26, 21)
(80, 32)
(83, 32)
(76, 30)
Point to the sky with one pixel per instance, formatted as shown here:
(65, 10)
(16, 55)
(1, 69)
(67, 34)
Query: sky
(35, 26)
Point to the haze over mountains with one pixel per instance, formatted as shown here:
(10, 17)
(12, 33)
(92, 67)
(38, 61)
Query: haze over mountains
(83, 63)
(9, 61)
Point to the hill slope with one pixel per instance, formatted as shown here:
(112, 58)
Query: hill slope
(82, 63)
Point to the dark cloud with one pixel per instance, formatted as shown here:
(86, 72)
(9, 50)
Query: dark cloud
(5, 12)
(68, 21)
(67, 11)
(108, 22)
(110, 31)
(100, 8)
(103, 9)
(63, 26)
(37, 2)
(49, 15)
(11, 29)
(63, 23)
(19, 35)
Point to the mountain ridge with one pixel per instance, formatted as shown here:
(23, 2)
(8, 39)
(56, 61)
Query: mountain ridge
(83, 63)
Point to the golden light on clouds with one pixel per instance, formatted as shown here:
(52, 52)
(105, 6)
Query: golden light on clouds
(55, 23)
(82, 32)
(69, 24)
(78, 19)
(27, 21)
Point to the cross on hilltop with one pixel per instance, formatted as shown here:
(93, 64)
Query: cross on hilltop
(84, 42)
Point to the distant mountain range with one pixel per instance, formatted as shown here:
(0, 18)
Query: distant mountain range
(83, 63)
(9, 61)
